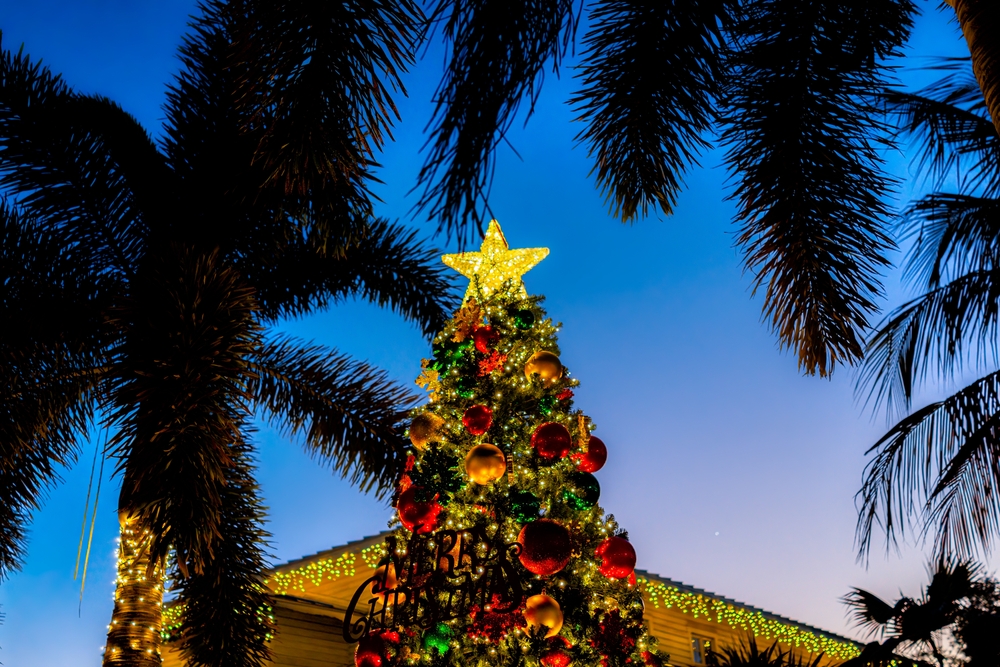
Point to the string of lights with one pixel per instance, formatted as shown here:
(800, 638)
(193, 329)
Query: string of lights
(135, 623)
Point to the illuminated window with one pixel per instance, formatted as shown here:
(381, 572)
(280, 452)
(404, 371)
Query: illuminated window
(701, 650)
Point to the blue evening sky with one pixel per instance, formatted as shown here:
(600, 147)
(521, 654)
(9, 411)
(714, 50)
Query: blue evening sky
(731, 470)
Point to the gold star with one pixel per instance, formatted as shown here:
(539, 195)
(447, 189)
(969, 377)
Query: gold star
(495, 264)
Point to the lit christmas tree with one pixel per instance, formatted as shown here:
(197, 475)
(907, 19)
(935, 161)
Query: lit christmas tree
(502, 555)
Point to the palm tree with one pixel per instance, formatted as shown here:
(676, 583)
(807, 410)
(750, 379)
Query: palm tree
(936, 471)
(140, 280)
(787, 86)
(945, 626)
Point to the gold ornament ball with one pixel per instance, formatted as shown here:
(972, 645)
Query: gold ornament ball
(544, 363)
(485, 463)
(542, 611)
(425, 429)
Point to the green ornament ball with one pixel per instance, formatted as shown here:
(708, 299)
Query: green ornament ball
(524, 319)
(524, 506)
(545, 404)
(582, 491)
(439, 638)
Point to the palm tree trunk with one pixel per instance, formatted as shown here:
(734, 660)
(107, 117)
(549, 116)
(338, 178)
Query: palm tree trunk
(134, 633)
(980, 23)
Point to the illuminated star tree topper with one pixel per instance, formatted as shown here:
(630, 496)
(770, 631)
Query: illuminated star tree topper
(495, 264)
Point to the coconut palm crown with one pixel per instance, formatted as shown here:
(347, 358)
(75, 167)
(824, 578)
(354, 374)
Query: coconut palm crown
(141, 279)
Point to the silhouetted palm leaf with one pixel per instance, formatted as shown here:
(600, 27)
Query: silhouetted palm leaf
(937, 468)
(651, 74)
(747, 654)
(916, 631)
(498, 54)
(951, 128)
(314, 87)
(870, 612)
(804, 140)
(933, 332)
(953, 234)
(387, 266)
(51, 361)
(68, 157)
(945, 453)
(347, 411)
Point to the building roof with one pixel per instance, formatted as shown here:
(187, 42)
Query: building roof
(371, 540)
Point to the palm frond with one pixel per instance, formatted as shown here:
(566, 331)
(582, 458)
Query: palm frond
(938, 467)
(388, 266)
(315, 84)
(48, 407)
(870, 612)
(951, 129)
(180, 399)
(804, 140)
(952, 580)
(651, 73)
(349, 413)
(207, 147)
(219, 128)
(747, 654)
(498, 54)
(228, 619)
(940, 329)
(51, 354)
(953, 234)
(50, 297)
(77, 162)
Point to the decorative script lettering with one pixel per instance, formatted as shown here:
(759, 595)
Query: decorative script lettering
(434, 578)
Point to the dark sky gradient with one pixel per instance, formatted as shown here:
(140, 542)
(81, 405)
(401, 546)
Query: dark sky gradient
(731, 471)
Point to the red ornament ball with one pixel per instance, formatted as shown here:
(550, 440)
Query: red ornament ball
(551, 441)
(651, 659)
(371, 652)
(421, 517)
(485, 338)
(556, 657)
(617, 558)
(595, 457)
(477, 419)
(545, 547)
